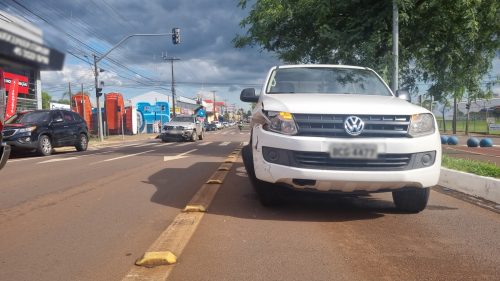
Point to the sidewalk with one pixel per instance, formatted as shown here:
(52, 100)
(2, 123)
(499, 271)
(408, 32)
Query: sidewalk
(116, 139)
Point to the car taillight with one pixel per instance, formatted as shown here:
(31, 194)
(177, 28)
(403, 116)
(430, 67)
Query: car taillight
(1, 126)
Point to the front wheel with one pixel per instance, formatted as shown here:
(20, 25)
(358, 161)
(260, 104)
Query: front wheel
(193, 136)
(267, 192)
(411, 200)
(82, 143)
(44, 146)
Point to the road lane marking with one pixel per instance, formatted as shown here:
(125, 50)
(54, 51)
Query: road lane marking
(146, 144)
(204, 143)
(224, 143)
(121, 157)
(163, 144)
(57, 160)
(179, 156)
(184, 144)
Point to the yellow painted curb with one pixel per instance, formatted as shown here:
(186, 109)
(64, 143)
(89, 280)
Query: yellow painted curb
(214, 182)
(152, 259)
(225, 167)
(194, 208)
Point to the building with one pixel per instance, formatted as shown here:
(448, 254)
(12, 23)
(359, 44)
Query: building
(22, 56)
(155, 108)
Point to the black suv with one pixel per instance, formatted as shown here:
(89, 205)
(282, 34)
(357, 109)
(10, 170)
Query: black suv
(42, 130)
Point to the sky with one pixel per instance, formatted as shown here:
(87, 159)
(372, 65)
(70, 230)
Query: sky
(208, 60)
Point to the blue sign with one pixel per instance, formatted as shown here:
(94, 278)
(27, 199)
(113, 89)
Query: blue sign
(202, 113)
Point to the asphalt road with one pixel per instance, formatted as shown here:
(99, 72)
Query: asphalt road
(89, 216)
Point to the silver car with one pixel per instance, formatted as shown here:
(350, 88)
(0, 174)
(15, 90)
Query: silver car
(182, 128)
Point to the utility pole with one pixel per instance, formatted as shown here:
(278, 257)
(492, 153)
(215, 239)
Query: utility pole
(97, 95)
(83, 105)
(69, 89)
(215, 115)
(395, 47)
(172, 59)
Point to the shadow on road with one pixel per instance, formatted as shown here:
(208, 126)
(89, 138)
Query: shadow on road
(237, 198)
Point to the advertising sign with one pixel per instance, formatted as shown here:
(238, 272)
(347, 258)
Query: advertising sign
(12, 99)
(23, 82)
(29, 52)
(55, 105)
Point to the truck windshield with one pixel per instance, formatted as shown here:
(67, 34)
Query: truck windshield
(324, 80)
(29, 117)
(183, 119)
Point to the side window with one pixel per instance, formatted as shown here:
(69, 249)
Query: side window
(68, 117)
(77, 117)
(56, 115)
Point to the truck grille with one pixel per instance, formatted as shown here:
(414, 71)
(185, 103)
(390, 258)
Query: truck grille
(320, 160)
(173, 128)
(329, 125)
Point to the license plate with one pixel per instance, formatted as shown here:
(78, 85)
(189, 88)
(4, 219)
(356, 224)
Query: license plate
(354, 151)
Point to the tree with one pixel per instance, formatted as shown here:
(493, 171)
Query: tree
(46, 98)
(63, 101)
(449, 44)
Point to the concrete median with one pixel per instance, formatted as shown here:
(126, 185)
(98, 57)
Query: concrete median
(478, 186)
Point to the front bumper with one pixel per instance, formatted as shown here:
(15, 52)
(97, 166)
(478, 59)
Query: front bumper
(345, 180)
(4, 154)
(176, 135)
(24, 141)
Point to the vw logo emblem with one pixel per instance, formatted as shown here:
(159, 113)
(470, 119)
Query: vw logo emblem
(353, 125)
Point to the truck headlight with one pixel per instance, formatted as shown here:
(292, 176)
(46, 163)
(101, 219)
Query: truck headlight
(281, 122)
(421, 125)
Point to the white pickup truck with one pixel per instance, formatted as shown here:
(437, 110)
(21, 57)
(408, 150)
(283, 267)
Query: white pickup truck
(337, 128)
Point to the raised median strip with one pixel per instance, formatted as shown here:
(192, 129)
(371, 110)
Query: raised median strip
(157, 263)
(485, 187)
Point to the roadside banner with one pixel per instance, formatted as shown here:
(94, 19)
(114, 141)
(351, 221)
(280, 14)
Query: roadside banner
(12, 99)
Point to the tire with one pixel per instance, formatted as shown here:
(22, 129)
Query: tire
(44, 146)
(83, 143)
(267, 192)
(193, 136)
(201, 136)
(411, 200)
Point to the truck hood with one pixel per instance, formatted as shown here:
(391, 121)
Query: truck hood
(17, 126)
(184, 124)
(339, 104)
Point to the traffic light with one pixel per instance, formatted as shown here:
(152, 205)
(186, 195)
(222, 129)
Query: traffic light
(98, 92)
(176, 35)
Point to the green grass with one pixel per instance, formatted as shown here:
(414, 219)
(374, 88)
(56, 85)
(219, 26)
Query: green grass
(471, 166)
(475, 126)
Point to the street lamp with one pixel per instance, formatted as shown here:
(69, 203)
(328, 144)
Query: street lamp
(175, 40)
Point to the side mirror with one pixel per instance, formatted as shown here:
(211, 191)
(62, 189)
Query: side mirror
(404, 95)
(248, 95)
